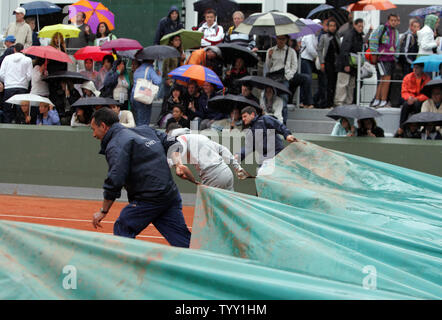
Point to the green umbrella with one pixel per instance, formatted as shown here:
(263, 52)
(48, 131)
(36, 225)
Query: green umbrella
(189, 39)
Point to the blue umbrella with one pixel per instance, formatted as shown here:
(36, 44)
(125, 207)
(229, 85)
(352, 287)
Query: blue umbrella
(422, 12)
(37, 8)
(431, 62)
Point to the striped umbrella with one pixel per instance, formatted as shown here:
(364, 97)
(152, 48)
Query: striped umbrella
(196, 72)
(95, 12)
(272, 23)
(422, 12)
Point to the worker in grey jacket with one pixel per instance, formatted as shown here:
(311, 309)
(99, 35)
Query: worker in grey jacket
(209, 158)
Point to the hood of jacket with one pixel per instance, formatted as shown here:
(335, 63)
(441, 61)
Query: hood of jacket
(17, 57)
(172, 9)
(430, 20)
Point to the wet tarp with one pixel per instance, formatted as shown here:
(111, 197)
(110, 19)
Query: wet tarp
(43, 262)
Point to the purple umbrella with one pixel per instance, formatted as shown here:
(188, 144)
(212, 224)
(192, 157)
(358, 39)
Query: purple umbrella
(95, 13)
(121, 44)
(311, 27)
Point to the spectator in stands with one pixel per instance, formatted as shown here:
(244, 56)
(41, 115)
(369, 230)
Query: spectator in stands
(108, 62)
(190, 99)
(209, 57)
(89, 71)
(169, 24)
(233, 122)
(88, 89)
(205, 113)
(302, 80)
(429, 132)
(116, 84)
(126, 117)
(385, 39)
(368, 128)
(346, 26)
(253, 122)
(426, 36)
(15, 74)
(246, 91)
(344, 128)
(31, 22)
(271, 104)
(58, 43)
(38, 86)
(142, 112)
(86, 35)
(64, 97)
(328, 52)
(175, 98)
(410, 131)
(103, 34)
(25, 115)
(235, 37)
(309, 52)
(320, 97)
(433, 104)
(9, 44)
(412, 86)
(282, 65)
(48, 115)
(213, 33)
(178, 117)
(237, 71)
(346, 81)
(20, 29)
(409, 45)
(82, 117)
(170, 64)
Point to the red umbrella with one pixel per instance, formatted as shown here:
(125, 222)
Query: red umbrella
(121, 44)
(91, 52)
(48, 52)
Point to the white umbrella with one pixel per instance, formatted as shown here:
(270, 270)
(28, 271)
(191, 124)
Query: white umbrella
(33, 99)
(271, 23)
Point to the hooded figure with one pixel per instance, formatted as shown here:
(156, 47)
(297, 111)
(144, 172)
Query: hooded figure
(425, 36)
(167, 25)
(343, 129)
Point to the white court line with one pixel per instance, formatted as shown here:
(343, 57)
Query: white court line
(59, 219)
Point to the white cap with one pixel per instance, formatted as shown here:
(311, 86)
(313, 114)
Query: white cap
(20, 10)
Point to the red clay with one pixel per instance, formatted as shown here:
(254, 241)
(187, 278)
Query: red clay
(75, 214)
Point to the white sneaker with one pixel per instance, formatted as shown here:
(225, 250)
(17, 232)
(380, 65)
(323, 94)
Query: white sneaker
(382, 104)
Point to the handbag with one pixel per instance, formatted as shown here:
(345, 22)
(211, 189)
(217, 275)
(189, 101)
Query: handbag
(145, 91)
(279, 75)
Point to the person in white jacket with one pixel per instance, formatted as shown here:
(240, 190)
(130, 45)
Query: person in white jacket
(15, 73)
(213, 33)
(309, 52)
(209, 158)
(271, 104)
(425, 36)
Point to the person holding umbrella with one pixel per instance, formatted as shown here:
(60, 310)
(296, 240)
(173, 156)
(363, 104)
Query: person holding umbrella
(237, 71)
(344, 127)
(25, 115)
(368, 128)
(48, 115)
(82, 116)
(86, 35)
(236, 37)
(117, 83)
(103, 34)
(209, 57)
(38, 86)
(425, 36)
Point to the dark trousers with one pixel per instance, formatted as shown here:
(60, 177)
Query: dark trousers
(300, 79)
(10, 110)
(408, 110)
(307, 68)
(167, 217)
(320, 97)
(332, 76)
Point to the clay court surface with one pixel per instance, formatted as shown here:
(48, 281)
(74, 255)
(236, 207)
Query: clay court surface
(75, 214)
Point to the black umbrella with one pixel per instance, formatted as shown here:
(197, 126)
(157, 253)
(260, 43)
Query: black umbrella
(227, 102)
(326, 11)
(263, 82)
(430, 85)
(128, 54)
(232, 51)
(223, 8)
(95, 101)
(353, 111)
(75, 77)
(423, 118)
(157, 52)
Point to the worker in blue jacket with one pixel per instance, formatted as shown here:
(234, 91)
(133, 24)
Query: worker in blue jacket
(137, 160)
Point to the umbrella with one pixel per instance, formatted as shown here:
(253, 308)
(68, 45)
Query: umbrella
(32, 98)
(48, 52)
(128, 54)
(196, 72)
(263, 82)
(422, 12)
(189, 39)
(95, 12)
(353, 111)
(68, 31)
(121, 44)
(325, 11)
(223, 8)
(271, 24)
(431, 62)
(94, 101)
(75, 77)
(367, 5)
(425, 117)
(157, 52)
(227, 102)
(339, 3)
(430, 85)
(311, 27)
(232, 51)
(91, 52)
(38, 8)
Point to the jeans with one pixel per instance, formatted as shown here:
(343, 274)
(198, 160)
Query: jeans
(9, 110)
(142, 112)
(167, 217)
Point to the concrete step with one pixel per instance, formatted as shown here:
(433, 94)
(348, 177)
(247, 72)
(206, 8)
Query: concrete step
(308, 114)
(310, 126)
